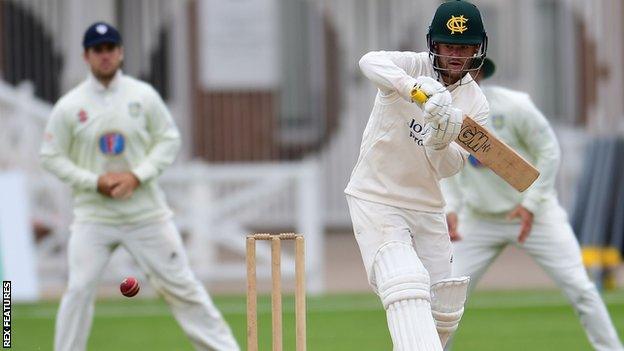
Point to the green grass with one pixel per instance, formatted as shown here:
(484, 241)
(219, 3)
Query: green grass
(493, 321)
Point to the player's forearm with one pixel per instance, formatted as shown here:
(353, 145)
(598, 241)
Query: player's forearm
(448, 161)
(379, 68)
(542, 144)
(547, 163)
(159, 158)
(68, 172)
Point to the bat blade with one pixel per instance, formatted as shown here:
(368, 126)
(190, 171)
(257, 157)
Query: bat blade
(493, 153)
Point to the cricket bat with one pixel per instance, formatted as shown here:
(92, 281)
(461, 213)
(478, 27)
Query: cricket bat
(491, 151)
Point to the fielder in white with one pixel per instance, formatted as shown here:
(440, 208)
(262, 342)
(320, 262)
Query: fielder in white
(109, 138)
(394, 196)
(493, 215)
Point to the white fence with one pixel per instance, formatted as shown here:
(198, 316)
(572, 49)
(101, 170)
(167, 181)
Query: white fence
(219, 204)
(215, 205)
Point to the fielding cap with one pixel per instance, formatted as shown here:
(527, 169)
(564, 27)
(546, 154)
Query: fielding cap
(100, 32)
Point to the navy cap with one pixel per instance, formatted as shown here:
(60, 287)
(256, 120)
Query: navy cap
(100, 32)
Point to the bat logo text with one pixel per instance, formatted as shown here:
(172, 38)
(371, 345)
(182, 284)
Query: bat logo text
(474, 139)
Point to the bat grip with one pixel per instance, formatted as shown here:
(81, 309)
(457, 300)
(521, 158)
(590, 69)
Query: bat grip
(419, 96)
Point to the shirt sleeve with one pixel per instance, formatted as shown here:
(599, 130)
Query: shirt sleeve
(447, 161)
(54, 154)
(452, 194)
(480, 113)
(389, 71)
(542, 144)
(165, 140)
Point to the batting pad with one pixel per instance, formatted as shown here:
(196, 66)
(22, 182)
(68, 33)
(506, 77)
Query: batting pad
(448, 297)
(399, 274)
(403, 286)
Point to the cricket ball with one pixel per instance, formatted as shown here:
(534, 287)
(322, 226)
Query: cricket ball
(129, 287)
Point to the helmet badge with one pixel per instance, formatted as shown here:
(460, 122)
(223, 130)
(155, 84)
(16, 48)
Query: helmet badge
(457, 24)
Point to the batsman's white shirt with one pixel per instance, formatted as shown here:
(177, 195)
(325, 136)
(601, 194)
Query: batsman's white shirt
(517, 121)
(125, 127)
(393, 167)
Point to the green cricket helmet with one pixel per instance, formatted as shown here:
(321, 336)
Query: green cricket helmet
(458, 22)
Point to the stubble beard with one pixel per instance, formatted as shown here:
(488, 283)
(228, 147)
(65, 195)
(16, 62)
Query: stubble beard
(105, 77)
(452, 76)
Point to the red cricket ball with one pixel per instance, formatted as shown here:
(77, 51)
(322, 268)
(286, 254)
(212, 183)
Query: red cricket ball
(129, 287)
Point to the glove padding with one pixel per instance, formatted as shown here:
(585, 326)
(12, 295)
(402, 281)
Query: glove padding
(429, 86)
(442, 133)
(436, 109)
(439, 99)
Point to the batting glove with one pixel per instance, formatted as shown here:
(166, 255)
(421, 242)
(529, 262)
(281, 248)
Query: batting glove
(439, 99)
(436, 109)
(439, 135)
(429, 86)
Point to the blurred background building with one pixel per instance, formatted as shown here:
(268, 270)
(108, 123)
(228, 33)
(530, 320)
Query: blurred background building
(271, 104)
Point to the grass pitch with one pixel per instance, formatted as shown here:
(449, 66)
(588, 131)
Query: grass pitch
(493, 321)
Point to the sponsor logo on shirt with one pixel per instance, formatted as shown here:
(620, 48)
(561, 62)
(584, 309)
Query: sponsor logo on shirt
(417, 131)
(112, 143)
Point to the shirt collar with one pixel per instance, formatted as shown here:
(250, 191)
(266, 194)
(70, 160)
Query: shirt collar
(99, 87)
(466, 79)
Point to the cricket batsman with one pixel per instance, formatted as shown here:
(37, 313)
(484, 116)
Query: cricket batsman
(394, 196)
(109, 138)
(493, 215)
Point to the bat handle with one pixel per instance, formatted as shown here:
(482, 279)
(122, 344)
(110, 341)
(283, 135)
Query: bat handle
(419, 96)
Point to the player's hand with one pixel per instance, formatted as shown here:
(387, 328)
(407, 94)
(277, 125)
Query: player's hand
(125, 184)
(105, 184)
(429, 86)
(439, 135)
(436, 109)
(438, 99)
(452, 221)
(526, 221)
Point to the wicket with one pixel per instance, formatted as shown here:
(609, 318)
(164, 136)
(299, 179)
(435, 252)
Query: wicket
(276, 290)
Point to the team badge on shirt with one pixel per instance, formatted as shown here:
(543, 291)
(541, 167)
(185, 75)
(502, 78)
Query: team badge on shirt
(498, 122)
(112, 143)
(82, 116)
(134, 109)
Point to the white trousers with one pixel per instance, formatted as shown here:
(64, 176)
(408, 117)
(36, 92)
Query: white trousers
(554, 247)
(403, 252)
(157, 249)
(375, 224)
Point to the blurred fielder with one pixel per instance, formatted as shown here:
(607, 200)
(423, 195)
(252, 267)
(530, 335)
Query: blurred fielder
(494, 215)
(394, 195)
(109, 139)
